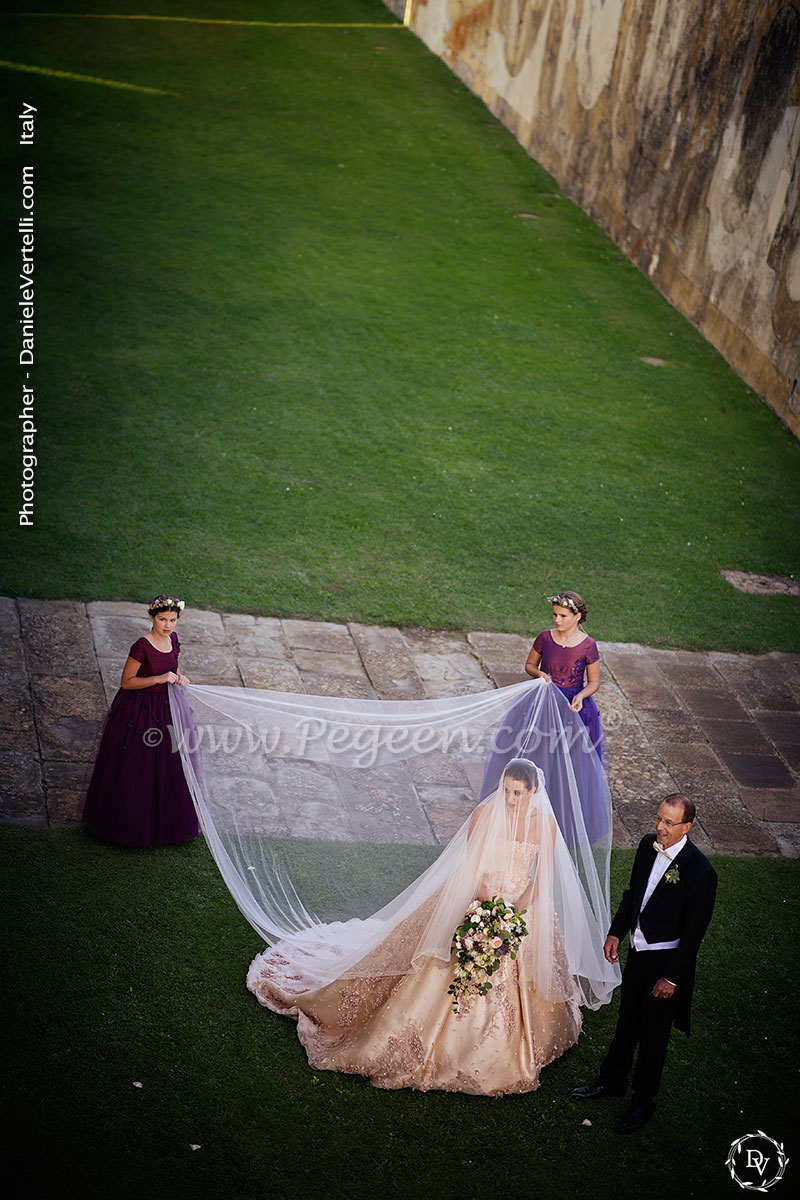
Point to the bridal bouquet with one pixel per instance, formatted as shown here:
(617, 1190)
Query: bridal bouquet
(491, 929)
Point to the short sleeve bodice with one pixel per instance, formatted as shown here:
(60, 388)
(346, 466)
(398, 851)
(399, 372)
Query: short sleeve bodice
(155, 662)
(566, 665)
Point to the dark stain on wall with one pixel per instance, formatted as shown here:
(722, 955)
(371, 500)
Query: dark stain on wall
(767, 95)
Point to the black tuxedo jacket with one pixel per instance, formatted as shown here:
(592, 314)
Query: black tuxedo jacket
(675, 910)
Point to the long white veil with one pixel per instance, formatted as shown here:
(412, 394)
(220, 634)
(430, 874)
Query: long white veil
(326, 818)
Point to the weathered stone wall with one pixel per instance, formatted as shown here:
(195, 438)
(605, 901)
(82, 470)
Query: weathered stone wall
(676, 125)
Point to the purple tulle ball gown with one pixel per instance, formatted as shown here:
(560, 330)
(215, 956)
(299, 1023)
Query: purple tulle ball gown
(566, 666)
(137, 793)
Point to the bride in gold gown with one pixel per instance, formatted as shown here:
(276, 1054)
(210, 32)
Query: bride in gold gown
(371, 997)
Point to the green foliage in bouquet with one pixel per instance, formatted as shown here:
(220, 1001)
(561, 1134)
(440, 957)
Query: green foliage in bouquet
(491, 929)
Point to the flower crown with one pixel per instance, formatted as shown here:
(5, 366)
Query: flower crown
(165, 604)
(565, 602)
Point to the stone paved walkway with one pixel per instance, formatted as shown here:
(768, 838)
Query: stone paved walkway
(725, 728)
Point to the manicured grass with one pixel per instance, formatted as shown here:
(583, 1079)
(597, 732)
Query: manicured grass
(297, 352)
(127, 967)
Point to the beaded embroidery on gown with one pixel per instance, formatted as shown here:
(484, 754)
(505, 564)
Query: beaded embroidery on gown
(400, 1030)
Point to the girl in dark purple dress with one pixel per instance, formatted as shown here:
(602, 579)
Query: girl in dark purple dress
(564, 655)
(137, 794)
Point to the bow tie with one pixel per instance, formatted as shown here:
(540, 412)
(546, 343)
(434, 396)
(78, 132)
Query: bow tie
(657, 846)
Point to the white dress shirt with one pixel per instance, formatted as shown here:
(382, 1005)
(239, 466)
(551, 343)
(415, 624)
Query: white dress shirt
(662, 862)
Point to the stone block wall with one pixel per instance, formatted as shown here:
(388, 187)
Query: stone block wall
(676, 125)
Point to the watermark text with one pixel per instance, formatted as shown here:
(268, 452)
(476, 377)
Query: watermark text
(27, 311)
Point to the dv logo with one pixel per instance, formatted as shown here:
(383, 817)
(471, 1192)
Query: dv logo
(756, 1161)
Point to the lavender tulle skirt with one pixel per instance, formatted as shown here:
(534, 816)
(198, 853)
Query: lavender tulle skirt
(136, 794)
(521, 735)
(590, 715)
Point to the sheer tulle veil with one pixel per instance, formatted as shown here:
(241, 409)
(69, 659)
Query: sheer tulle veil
(321, 811)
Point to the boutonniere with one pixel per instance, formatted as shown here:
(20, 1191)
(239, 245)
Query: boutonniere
(672, 875)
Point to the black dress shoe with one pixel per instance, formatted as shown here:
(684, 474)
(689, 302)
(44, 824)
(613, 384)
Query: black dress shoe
(593, 1091)
(633, 1121)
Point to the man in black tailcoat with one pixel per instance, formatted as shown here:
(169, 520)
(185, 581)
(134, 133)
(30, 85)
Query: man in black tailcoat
(666, 909)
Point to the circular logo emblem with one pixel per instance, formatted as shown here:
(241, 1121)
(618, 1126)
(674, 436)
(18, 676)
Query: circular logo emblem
(756, 1161)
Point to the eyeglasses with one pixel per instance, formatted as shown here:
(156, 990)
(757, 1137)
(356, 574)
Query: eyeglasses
(669, 824)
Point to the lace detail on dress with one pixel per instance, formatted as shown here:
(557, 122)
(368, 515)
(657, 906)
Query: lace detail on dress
(360, 997)
(403, 1057)
(509, 879)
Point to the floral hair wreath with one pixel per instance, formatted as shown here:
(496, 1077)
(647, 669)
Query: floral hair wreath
(564, 602)
(165, 604)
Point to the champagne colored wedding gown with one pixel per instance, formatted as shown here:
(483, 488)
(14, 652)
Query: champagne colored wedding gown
(400, 1030)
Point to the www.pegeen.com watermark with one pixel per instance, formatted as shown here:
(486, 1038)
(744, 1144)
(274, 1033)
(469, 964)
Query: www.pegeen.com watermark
(26, 320)
(317, 738)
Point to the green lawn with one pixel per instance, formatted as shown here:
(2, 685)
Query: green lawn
(126, 967)
(298, 353)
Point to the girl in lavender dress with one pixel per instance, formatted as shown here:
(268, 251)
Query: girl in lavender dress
(564, 655)
(567, 658)
(137, 793)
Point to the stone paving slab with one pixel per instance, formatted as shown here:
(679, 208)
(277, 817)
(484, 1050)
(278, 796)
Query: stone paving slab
(329, 662)
(628, 739)
(388, 662)
(791, 756)
(757, 770)
(68, 712)
(12, 658)
(396, 812)
(636, 776)
(639, 678)
(767, 679)
(9, 615)
(256, 637)
(445, 663)
(773, 804)
(317, 635)
(724, 728)
(735, 736)
(708, 703)
(502, 655)
(23, 796)
(57, 639)
(348, 686)
(447, 808)
(705, 785)
(269, 675)
(688, 756)
(114, 627)
(615, 708)
(16, 705)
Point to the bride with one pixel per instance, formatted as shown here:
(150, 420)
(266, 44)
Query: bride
(392, 1019)
(373, 996)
